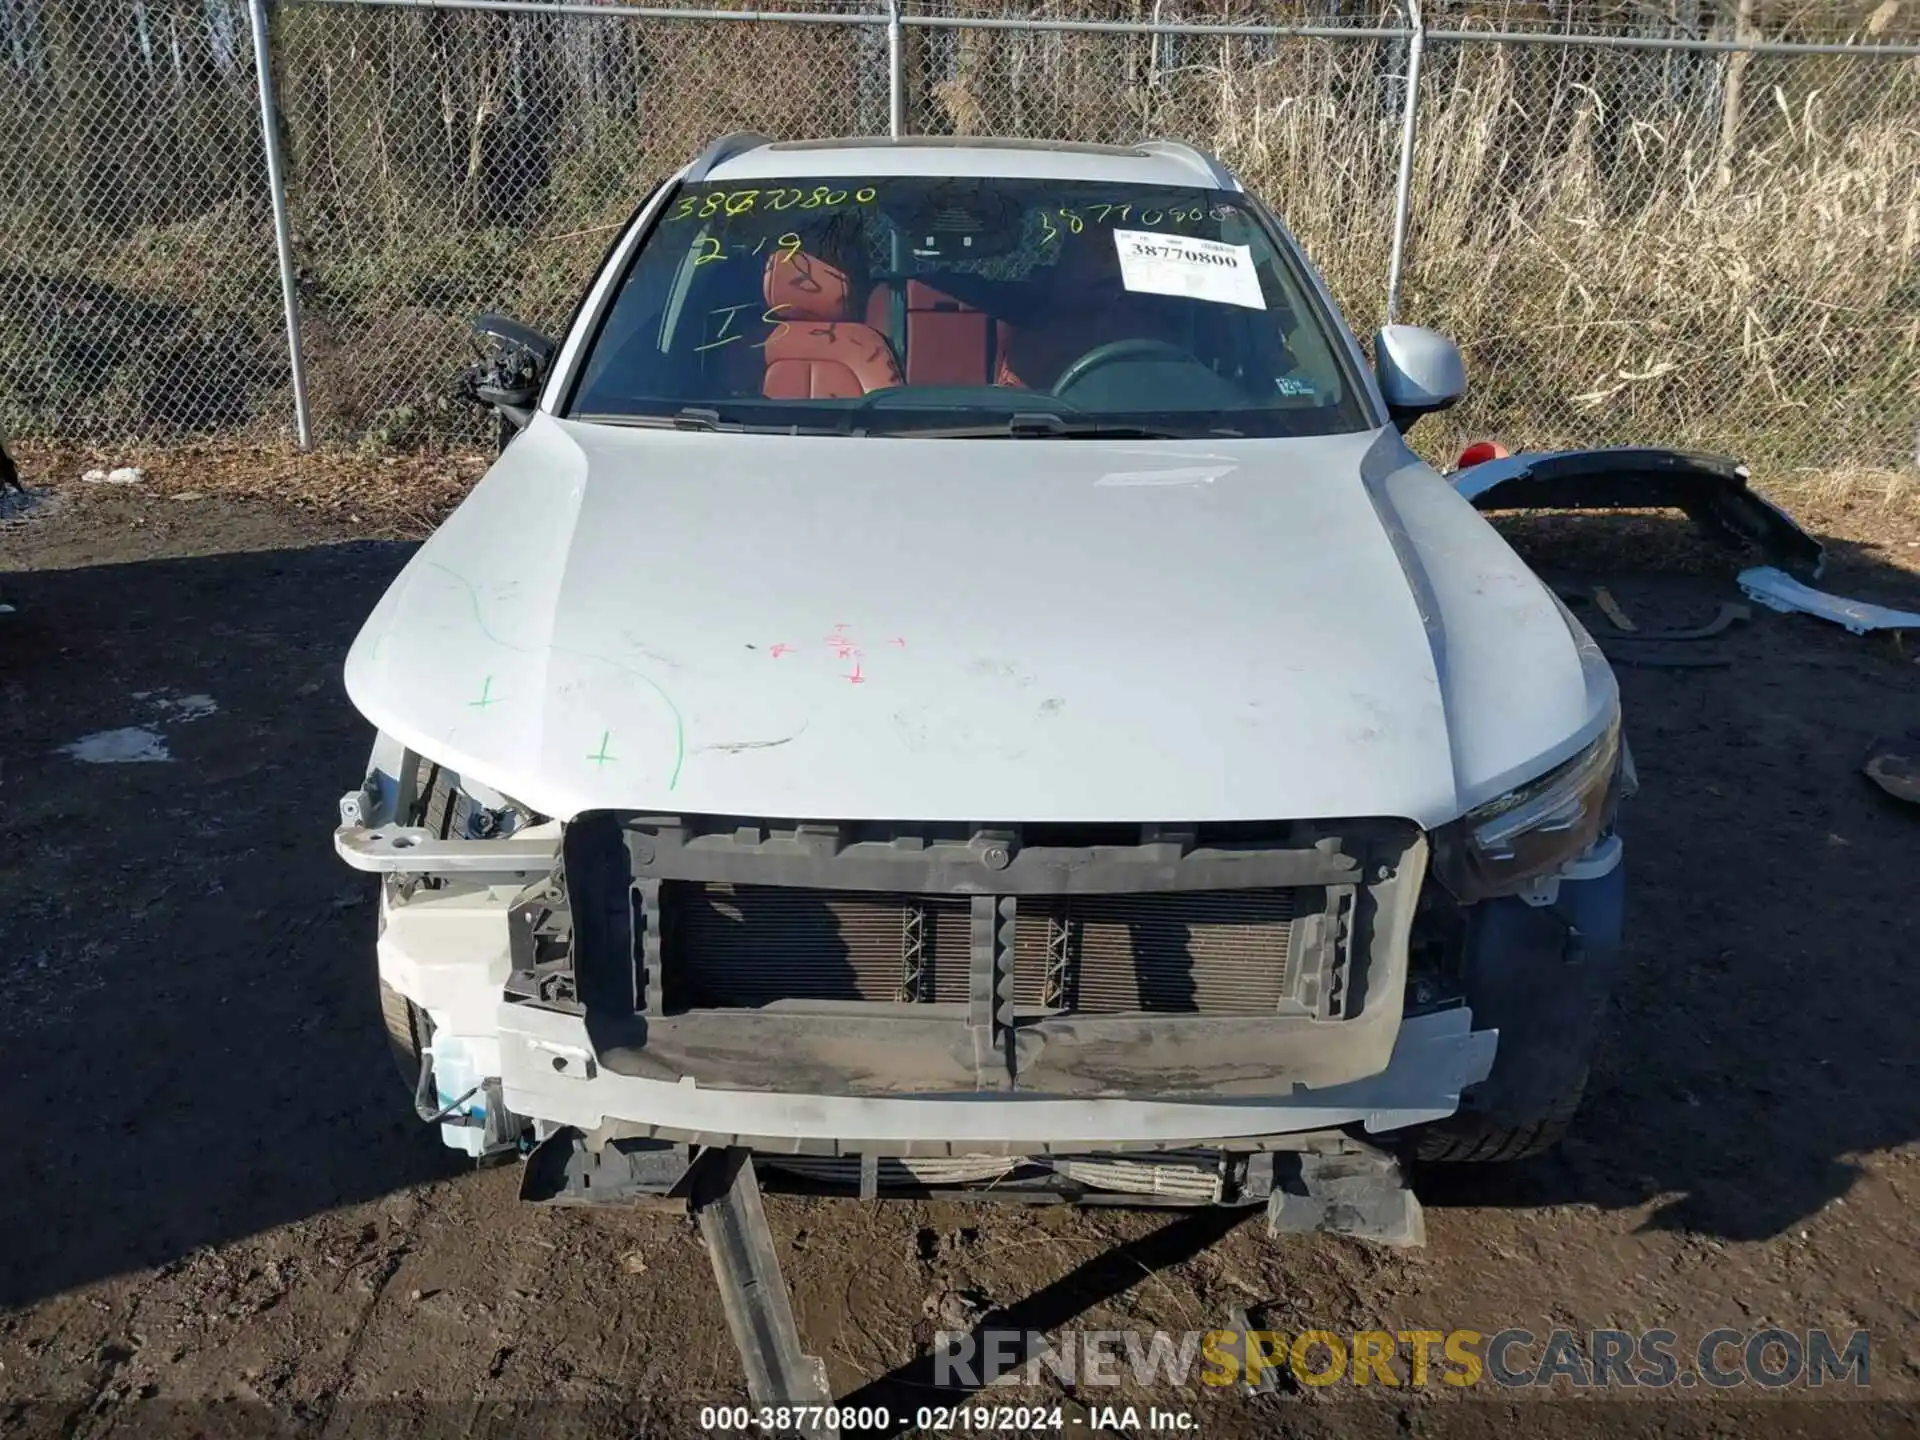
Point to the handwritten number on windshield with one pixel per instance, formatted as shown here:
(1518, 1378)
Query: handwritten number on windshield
(780, 197)
(734, 203)
(710, 248)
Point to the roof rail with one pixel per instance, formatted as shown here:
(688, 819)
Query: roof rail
(1221, 177)
(723, 150)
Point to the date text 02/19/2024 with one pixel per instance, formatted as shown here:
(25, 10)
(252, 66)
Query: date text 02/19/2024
(742, 1420)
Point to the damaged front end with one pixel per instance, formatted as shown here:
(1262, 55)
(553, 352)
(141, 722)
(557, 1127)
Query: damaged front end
(1123, 1014)
(1118, 1011)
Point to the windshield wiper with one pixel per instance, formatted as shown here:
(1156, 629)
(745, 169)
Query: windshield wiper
(1044, 425)
(701, 417)
(1028, 425)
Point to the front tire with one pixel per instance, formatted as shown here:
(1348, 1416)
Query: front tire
(1541, 976)
(1471, 1137)
(408, 1031)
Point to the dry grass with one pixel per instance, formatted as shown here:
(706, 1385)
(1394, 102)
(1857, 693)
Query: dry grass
(1615, 274)
(1572, 228)
(394, 496)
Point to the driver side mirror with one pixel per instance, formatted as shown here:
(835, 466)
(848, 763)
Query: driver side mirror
(513, 366)
(1420, 371)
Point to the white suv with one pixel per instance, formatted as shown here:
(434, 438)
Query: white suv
(957, 678)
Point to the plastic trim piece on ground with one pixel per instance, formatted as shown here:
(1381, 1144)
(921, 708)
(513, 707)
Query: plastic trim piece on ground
(1778, 590)
(1894, 765)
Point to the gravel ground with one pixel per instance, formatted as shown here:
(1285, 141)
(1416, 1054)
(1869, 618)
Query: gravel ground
(216, 1190)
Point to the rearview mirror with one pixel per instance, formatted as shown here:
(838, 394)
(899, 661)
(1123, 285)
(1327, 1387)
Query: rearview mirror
(1420, 371)
(512, 367)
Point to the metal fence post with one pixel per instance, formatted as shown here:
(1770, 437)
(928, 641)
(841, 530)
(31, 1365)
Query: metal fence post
(1403, 187)
(896, 72)
(282, 236)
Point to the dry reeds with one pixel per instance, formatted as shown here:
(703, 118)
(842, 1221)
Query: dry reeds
(1608, 285)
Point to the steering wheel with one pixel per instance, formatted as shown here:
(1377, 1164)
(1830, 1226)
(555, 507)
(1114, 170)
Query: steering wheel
(1116, 351)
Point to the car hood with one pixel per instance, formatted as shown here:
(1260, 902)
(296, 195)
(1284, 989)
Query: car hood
(1000, 630)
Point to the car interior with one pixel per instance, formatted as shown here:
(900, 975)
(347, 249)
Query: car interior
(949, 304)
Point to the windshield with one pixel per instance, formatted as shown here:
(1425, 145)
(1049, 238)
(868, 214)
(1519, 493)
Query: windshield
(966, 306)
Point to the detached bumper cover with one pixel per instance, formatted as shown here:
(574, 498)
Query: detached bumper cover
(548, 1068)
(1711, 489)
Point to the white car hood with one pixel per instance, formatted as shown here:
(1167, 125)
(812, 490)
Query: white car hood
(998, 630)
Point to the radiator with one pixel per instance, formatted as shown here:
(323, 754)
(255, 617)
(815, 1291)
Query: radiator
(1218, 952)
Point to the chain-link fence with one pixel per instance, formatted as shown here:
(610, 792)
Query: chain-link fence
(1667, 221)
(1639, 246)
(444, 163)
(138, 288)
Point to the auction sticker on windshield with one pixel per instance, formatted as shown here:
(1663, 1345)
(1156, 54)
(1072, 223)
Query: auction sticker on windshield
(1188, 266)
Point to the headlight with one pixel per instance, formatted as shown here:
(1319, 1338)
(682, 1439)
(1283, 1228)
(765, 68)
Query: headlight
(1499, 847)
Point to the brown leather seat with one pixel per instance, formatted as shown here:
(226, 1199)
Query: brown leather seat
(948, 341)
(816, 352)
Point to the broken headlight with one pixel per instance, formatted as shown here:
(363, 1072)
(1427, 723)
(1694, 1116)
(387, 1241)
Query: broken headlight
(1500, 847)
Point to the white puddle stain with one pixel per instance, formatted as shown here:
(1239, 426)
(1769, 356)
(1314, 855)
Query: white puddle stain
(179, 707)
(132, 745)
(138, 744)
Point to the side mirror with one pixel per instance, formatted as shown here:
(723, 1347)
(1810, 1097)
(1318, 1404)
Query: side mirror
(511, 368)
(1420, 371)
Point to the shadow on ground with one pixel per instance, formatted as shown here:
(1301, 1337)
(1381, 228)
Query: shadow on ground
(190, 1051)
(1767, 1027)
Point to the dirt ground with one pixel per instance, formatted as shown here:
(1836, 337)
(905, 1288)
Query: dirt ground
(215, 1191)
